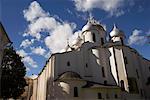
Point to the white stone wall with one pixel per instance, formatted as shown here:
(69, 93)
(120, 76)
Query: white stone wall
(117, 66)
(136, 67)
(42, 85)
(87, 63)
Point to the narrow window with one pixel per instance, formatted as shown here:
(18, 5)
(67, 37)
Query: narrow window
(68, 63)
(137, 73)
(148, 81)
(94, 38)
(99, 96)
(122, 41)
(125, 60)
(103, 72)
(116, 96)
(86, 65)
(102, 41)
(149, 68)
(122, 85)
(75, 92)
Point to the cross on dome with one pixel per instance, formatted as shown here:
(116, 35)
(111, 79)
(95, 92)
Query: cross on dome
(91, 20)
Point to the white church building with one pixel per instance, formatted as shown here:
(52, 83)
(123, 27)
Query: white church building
(94, 69)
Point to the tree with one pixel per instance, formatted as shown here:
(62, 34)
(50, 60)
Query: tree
(13, 72)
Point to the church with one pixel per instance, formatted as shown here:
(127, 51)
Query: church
(94, 68)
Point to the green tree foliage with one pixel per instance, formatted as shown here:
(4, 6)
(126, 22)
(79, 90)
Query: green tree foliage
(13, 72)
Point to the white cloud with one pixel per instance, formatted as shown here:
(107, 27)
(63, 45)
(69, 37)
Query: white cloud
(37, 18)
(22, 53)
(25, 43)
(29, 61)
(111, 6)
(27, 69)
(34, 11)
(38, 50)
(119, 13)
(40, 21)
(43, 24)
(136, 38)
(58, 38)
(47, 55)
(148, 33)
(69, 11)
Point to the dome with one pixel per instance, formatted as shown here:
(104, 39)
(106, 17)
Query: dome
(116, 32)
(92, 24)
(88, 26)
(69, 75)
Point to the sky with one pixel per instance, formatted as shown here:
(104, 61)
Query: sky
(39, 28)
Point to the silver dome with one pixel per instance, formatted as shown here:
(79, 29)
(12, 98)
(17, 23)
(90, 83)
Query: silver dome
(116, 32)
(92, 24)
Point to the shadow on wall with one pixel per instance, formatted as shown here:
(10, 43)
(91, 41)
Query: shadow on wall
(54, 90)
(106, 58)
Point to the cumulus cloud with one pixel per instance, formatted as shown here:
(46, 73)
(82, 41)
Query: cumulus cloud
(111, 6)
(25, 43)
(47, 55)
(40, 21)
(27, 69)
(22, 53)
(29, 61)
(148, 33)
(38, 50)
(34, 11)
(58, 38)
(43, 24)
(136, 38)
(35, 15)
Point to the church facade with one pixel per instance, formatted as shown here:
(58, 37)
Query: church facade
(94, 69)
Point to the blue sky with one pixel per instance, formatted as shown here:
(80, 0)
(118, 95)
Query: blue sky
(42, 27)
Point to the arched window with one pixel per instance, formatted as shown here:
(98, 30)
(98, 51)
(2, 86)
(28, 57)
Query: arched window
(103, 72)
(99, 96)
(68, 63)
(116, 96)
(102, 41)
(122, 85)
(86, 65)
(94, 37)
(75, 92)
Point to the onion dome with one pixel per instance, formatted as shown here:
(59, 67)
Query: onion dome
(116, 32)
(92, 24)
(88, 26)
